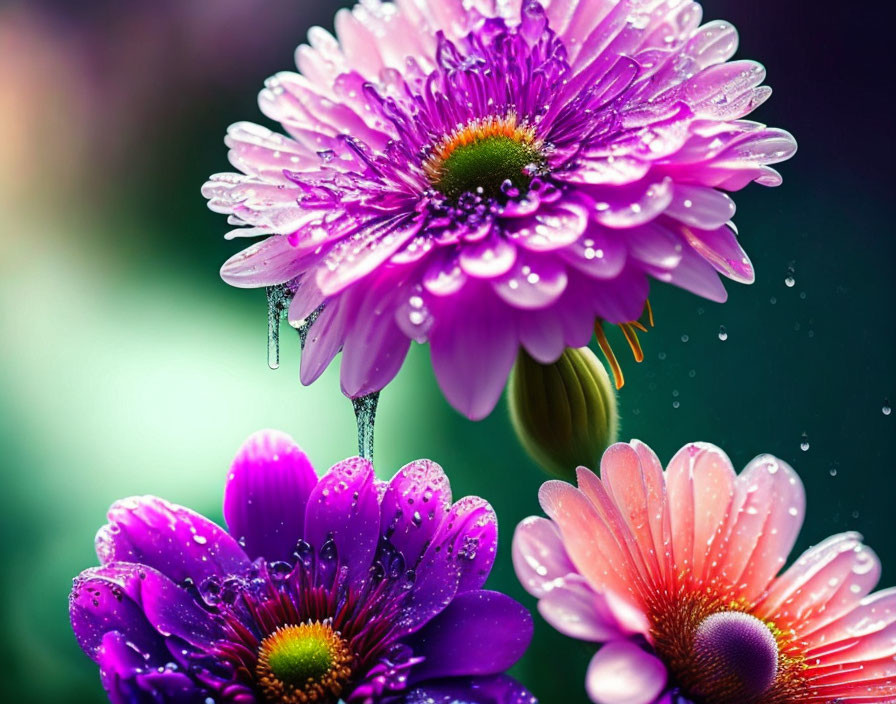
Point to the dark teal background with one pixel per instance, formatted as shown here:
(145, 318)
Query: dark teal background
(128, 367)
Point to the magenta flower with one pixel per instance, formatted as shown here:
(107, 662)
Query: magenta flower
(492, 174)
(341, 588)
(674, 572)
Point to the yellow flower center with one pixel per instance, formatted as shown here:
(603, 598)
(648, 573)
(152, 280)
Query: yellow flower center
(302, 664)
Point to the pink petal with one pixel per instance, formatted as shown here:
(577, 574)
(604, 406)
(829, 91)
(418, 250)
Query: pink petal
(539, 557)
(722, 250)
(589, 541)
(764, 519)
(266, 263)
(826, 582)
(623, 673)
(575, 610)
(700, 487)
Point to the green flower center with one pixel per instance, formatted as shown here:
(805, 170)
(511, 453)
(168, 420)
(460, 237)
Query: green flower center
(304, 663)
(297, 660)
(485, 154)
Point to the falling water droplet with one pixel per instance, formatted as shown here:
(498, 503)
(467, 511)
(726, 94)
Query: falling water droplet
(886, 409)
(278, 302)
(789, 280)
(723, 333)
(365, 414)
(804, 442)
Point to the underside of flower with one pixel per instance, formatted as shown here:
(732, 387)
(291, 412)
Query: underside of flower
(304, 663)
(489, 156)
(718, 653)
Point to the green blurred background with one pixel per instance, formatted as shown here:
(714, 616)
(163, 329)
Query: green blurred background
(128, 367)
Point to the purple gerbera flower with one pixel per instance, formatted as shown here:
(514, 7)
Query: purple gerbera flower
(339, 589)
(489, 174)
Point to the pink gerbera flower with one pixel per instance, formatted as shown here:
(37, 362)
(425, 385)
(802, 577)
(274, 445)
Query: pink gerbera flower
(483, 175)
(674, 573)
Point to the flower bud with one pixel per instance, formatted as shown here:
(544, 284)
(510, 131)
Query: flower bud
(564, 413)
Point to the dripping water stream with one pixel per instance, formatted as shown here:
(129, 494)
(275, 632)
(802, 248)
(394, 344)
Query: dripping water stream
(365, 414)
(279, 298)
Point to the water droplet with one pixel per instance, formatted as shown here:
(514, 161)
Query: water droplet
(804, 442)
(723, 333)
(790, 280)
(685, 338)
(886, 409)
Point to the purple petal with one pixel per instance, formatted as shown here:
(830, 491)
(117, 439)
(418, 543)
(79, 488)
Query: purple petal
(458, 559)
(533, 282)
(700, 207)
(488, 259)
(343, 506)
(629, 206)
(172, 611)
(721, 249)
(106, 599)
(600, 254)
(695, 275)
(325, 338)
(552, 227)
(354, 257)
(623, 673)
(415, 504)
(539, 557)
(479, 633)
(172, 539)
(473, 346)
(541, 333)
(375, 346)
(266, 493)
(498, 689)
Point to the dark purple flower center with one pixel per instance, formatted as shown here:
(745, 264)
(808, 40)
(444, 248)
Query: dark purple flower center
(737, 657)
(306, 632)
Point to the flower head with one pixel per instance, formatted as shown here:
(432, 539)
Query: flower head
(341, 588)
(493, 174)
(675, 574)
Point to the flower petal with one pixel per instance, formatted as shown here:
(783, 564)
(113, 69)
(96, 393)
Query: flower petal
(172, 539)
(344, 506)
(415, 504)
(458, 559)
(106, 599)
(497, 689)
(539, 558)
(473, 346)
(576, 610)
(623, 673)
(266, 263)
(266, 494)
(478, 633)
